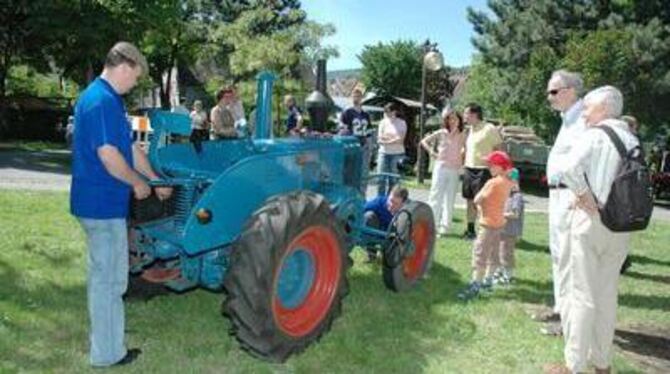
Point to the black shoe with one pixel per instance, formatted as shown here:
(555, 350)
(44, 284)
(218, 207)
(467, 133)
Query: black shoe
(469, 235)
(131, 355)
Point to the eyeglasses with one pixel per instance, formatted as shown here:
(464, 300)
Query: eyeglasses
(556, 90)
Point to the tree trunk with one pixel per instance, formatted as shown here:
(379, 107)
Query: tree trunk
(3, 77)
(4, 121)
(89, 73)
(165, 90)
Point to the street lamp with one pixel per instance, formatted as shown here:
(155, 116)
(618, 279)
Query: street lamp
(431, 60)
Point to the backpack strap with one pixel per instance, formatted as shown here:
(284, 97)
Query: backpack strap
(620, 147)
(618, 144)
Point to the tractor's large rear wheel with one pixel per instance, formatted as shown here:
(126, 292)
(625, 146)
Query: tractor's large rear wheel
(287, 276)
(409, 253)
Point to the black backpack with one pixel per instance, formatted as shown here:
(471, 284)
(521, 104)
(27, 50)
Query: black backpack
(630, 202)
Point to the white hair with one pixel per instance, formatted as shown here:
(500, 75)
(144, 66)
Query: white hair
(608, 96)
(570, 79)
(446, 112)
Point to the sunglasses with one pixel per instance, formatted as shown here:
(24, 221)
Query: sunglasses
(556, 91)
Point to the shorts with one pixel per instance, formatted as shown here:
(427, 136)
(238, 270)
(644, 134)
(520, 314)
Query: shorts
(473, 181)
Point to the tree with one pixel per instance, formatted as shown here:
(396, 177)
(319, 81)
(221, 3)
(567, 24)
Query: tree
(80, 33)
(392, 69)
(21, 38)
(614, 57)
(524, 41)
(438, 87)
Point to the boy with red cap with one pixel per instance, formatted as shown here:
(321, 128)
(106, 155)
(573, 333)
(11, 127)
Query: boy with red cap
(490, 202)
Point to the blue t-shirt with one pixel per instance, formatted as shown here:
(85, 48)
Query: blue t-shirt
(292, 120)
(100, 119)
(357, 122)
(378, 205)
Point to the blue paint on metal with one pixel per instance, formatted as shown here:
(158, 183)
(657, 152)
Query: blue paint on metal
(234, 178)
(264, 106)
(295, 278)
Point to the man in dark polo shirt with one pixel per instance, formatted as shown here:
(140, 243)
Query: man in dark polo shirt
(355, 120)
(106, 168)
(482, 139)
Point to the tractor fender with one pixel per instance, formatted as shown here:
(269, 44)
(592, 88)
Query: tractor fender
(237, 193)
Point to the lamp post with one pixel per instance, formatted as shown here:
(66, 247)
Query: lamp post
(431, 60)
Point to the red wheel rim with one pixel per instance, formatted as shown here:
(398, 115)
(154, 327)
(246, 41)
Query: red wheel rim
(414, 265)
(322, 244)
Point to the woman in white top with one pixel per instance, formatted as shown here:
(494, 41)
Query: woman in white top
(199, 124)
(391, 139)
(446, 147)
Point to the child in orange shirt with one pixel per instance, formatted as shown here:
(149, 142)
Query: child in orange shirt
(491, 205)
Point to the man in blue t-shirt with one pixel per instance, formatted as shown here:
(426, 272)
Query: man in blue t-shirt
(294, 119)
(354, 120)
(379, 212)
(106, 168)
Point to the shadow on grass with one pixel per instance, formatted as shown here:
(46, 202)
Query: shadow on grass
(45, 313)
(50, 162)
(650, 277)
(644, 260)
(378, 324)
(532, 247)
(645, 301)
(650, 348)
(541, 292)
(528, 291)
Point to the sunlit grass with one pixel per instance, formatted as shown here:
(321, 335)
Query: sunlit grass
(43, 318)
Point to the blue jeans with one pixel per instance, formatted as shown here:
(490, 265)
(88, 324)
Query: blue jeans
(107, 241)
(387, 164)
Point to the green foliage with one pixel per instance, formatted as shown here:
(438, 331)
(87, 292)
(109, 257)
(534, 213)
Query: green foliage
(25, 80)
(395, 69)
(623, 43)
(263, 38)
(392, 69)
(438, 87)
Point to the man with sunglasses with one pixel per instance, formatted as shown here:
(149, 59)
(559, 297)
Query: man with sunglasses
(563, 93)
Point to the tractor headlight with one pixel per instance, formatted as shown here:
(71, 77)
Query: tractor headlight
(204, 216)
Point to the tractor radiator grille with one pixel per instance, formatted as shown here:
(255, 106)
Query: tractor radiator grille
(183, 205)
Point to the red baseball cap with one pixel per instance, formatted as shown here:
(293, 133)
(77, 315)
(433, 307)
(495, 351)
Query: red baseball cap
(499, 158)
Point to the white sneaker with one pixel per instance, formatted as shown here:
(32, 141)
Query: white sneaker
(442, 231)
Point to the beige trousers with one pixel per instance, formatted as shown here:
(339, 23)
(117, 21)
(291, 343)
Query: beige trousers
(504, 255)
(588, 309)
(559, 226)
(486, 245)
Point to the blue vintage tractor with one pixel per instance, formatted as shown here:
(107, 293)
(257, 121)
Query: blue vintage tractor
(271, 222)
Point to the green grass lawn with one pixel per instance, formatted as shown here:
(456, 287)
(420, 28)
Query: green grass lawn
(43, 318)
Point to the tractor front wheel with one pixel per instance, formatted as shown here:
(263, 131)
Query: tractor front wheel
(287, 276)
